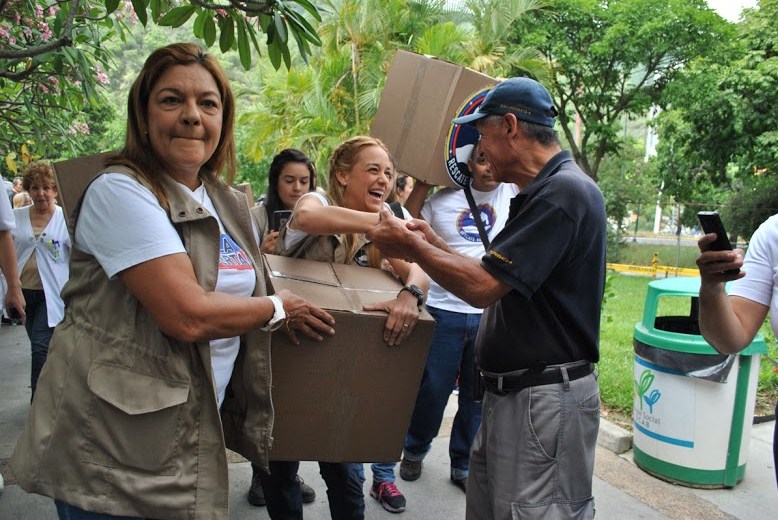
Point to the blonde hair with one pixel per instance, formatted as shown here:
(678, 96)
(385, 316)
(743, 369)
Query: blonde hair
(22, 199)
(343, 159)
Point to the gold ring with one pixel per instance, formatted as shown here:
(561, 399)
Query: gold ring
(405, 325)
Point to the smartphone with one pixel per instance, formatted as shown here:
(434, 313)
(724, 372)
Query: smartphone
(13, 314)
(711, 223)
(280, 218)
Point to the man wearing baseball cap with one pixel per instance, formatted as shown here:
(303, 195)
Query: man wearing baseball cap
(541, 285)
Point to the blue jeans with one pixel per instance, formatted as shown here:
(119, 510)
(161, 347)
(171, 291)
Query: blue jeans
(452, 351)
(344, 490)
(68, 512)
(383, 471)
(38, 331)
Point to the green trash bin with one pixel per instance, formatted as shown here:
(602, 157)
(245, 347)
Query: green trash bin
(693, 407)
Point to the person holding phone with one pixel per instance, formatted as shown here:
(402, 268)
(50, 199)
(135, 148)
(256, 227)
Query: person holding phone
(330, 228)
(729, 321)
(43, 249)
(291, 176)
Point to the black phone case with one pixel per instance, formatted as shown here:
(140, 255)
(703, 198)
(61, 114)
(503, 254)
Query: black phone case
(279, 217)
(711, 223)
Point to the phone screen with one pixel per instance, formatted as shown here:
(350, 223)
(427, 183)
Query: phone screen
(711, 223)
(280, 218)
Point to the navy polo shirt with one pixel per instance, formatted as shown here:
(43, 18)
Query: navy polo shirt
(552, 254)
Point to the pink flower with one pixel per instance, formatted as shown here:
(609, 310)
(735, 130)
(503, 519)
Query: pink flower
(3, 32)
(102, 77)
(53, 80)
(53, 10)
(43, 88)
(11, 41)
(17, 17)
(222, 13)
(27, 32)
(38, 12)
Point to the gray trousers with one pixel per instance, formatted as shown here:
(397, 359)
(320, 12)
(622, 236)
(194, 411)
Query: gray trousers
(533, 456)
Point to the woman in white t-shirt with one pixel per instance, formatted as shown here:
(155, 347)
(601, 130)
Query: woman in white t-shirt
(729, 322)
(163, 357)
(43, 251)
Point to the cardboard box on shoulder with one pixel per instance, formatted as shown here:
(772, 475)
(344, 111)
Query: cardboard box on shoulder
(421, 97)
(350, 397)
(73, 176)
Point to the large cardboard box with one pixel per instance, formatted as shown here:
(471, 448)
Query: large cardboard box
(350, 397)
(421, 97)
(73, 176)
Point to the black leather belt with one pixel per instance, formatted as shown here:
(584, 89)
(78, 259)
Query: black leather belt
(553, 375)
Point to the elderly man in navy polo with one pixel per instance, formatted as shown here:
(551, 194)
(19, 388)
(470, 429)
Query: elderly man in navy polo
(541, 284)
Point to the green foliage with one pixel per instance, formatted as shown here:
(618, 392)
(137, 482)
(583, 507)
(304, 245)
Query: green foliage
(635, 253)
(54, 57)
(315, 109)
(751, 205)
(626, 180)
(721, 127)
(608, 59)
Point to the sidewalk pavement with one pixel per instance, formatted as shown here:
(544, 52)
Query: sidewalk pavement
(621, 489)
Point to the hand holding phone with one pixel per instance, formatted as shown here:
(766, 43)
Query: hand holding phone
(13, 314)
(280, 218)
(711, 223)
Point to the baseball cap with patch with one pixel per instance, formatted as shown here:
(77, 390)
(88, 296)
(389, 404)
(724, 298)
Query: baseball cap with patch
(524, 97)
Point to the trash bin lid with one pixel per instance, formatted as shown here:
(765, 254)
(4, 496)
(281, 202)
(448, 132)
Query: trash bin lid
(646, 331)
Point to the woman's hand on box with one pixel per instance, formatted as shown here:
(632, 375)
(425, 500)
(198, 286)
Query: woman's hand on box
(302, 316)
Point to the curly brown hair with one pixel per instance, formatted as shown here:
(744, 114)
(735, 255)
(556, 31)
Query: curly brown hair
(39, 172)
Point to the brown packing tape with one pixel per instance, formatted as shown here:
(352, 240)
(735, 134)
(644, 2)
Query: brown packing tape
(410, 110)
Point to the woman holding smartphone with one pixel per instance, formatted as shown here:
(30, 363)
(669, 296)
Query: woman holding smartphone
(291, 176)
(331, 228)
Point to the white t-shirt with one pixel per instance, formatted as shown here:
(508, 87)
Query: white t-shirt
(140, 231)
(761, 267)
(6, 215)
(448, 213)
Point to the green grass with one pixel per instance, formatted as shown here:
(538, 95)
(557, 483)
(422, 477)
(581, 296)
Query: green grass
(641, 254)
(624, 308)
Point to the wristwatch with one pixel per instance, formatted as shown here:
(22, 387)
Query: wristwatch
(414, 290)
(278, 316)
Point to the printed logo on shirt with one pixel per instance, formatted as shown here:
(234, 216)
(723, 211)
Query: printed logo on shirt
(231, 256)
(466, 226)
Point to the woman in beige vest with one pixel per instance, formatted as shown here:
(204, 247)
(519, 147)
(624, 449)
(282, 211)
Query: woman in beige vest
(291, 175)
(163, 357)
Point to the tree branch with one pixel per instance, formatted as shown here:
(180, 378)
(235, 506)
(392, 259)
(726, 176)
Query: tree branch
(64, 41)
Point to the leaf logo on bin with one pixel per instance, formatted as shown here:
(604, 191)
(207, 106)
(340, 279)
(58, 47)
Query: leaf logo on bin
(642, 386)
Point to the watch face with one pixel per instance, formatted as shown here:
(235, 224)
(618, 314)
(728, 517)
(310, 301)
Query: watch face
(275, 324)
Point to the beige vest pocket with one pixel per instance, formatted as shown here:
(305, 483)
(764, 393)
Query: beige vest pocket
(134, 419)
